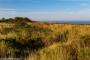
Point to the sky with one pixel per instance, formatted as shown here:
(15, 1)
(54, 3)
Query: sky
(49, 10)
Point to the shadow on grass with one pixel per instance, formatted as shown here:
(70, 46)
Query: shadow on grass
(22, 50)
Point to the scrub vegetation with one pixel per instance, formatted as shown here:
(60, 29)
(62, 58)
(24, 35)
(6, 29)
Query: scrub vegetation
(20, 37)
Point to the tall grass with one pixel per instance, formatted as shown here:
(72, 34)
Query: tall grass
(43, 41)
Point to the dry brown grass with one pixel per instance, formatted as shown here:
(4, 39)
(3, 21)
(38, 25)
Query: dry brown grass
(43, 41)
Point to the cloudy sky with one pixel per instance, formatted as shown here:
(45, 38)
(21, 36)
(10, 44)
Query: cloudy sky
(46, 9)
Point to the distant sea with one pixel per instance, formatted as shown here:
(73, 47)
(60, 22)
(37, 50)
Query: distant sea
(70, 22)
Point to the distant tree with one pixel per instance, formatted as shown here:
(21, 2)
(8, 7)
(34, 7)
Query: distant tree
(27, 19)
(10, 19)
(3, 19)
(18, 18)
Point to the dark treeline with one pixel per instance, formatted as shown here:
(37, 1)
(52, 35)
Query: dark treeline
(16, 19)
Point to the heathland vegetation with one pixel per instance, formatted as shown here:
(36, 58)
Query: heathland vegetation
(30, 40)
